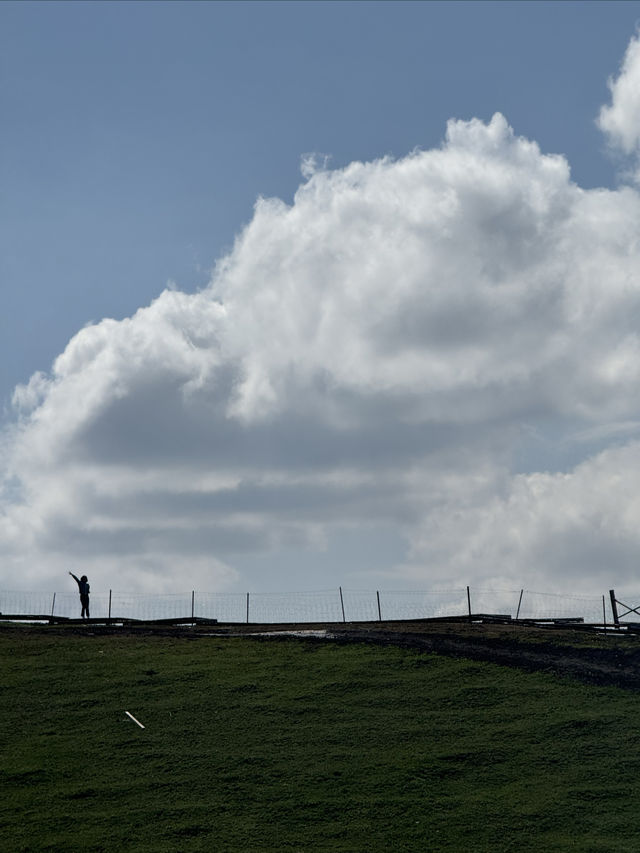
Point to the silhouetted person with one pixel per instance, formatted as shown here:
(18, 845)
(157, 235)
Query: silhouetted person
(83, 587)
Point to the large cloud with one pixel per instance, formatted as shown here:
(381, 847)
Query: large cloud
(445, 344)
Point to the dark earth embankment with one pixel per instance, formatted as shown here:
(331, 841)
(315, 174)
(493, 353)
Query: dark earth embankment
(593, 659)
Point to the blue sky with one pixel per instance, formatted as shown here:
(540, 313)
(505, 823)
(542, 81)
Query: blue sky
(137, 136)
(136, 140)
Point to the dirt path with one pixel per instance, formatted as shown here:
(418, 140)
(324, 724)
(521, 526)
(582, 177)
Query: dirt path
(567, 656)
(594, 658)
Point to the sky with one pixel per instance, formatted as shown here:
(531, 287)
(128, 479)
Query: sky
(304, 294)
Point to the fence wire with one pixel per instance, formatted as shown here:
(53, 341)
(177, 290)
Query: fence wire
(543, 605)
(322, 606)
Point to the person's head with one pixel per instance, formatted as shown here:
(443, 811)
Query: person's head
(83, 578)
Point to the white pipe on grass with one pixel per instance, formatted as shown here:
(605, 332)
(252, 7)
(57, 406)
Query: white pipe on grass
(134, 719)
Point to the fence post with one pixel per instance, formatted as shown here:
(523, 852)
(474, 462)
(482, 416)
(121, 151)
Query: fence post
(193, 596)
(604, 615)
(342, 604)
(614, 607)
(53, 603)
(247, 608)
(519, 603)
(109, 605)
(379, 611)
(469, 603)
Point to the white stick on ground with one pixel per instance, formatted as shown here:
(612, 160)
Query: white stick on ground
(134, 719)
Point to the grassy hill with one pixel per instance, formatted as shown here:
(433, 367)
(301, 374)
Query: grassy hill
(258, 746)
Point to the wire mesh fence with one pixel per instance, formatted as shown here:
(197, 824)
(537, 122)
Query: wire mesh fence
(542, 605)
(335, 605)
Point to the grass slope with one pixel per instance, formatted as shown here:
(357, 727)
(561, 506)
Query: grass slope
(258, 746)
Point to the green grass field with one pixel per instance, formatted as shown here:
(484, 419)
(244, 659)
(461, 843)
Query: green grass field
(294, 745)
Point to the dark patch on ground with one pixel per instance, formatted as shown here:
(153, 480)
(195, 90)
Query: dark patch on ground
(616, 666)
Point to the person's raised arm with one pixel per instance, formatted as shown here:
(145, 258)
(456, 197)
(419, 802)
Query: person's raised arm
(75, 578)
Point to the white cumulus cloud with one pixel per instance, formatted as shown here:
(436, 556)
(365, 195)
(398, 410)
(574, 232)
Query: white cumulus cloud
(620, 120)
(445, 345)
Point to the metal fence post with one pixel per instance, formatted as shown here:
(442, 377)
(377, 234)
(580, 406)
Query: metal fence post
(247, 608)
(342, 604)
(604, 615)
(193, 597)
(469, 603)
(519, 603)
(53, 603)
(614, 606)
(109, 605)
(379, 611)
